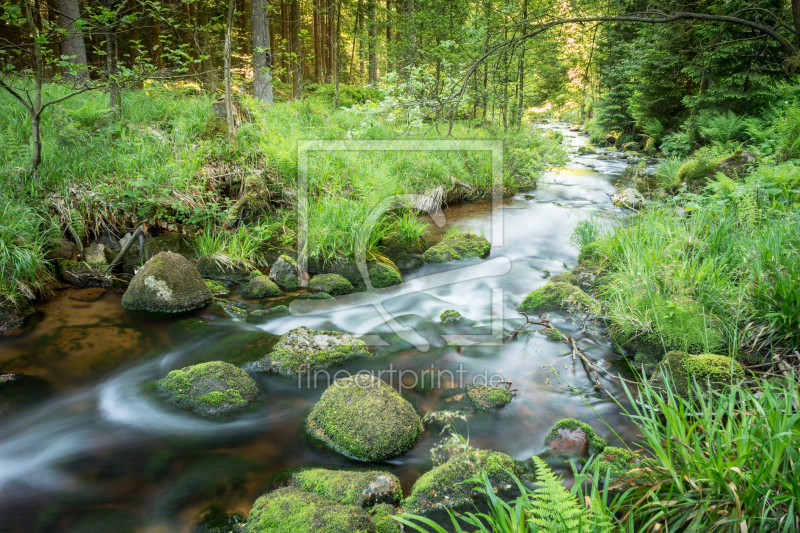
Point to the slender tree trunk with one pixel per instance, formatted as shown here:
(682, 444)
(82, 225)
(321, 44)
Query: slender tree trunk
(356, 28)
(111, 58)
(73, 45)
(228, 95)
(35, 107)
(155, 36)
(372, 42)
(388, 35)
(335, 66)
(411, 25)
(297, 64)
(262, 51)
(796, 19)
(521, 68)
(316, 27)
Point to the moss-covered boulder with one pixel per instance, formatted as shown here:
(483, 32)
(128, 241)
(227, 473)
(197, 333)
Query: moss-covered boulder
(630, 147)
(261, 287)
(382, 514)
(405, 252)
(12, 315)
(555, 296)
(221, 266)
(573, 436)
(623, 467)
(364, 418)
(286, 272)
(167, 283)
(217, 288)
(695, 173)
(380, 275)
(333, 284)
(488, 396)
(629, 197)
(737, 164)
(586, 150)
(552, 334)
(304, 350)
(661, 325)
(362, 489)
(291, 510)
(445, 486)
(450, 316)
(214, 388)
(459, 246)
(278, 310)
(707, 369)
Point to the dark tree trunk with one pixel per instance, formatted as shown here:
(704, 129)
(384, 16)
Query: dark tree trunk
(262, 51)
(73, 44)
(372, 42)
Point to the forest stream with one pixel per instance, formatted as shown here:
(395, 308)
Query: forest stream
(86, 441)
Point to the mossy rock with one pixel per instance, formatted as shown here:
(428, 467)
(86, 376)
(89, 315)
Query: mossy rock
(286, 272)
(232, 309)
(380, 275)
(216, 520)
(488, 396)
(586, 150)
(382, 514)
(364, 418)
(278, 310)
(220, 267)
(695, 173)
(450, 316)
(261, 287)
(304, 350)
(590, 254)
(291, 510)
(404, 252)
(317, 296)
(617, 463)
(576, 437)
(737, 164)
(565, 277)
(333, 284)
(630, 147)
(12, 316)
(446, 485)
(717, 371)
(459, 246)
(552, 334)
(671, 325)
(361, 489)
(217, 288)
(214, 388)
(167, 283)
(555, 296)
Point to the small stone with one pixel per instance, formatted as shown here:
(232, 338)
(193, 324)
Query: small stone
(87, 295)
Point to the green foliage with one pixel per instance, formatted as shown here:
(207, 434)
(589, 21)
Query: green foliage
(721, 128)
(586, 231)
(450, 316)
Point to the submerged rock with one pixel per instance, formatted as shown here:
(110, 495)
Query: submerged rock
(261, 287)
(361, 489)
(459, 246)
(488, 396)
(278, 310)
(13, 315)
(364, 418)
(213, 388)
(629, 197)
(450, 316)
(305, 350)
(232, 309)
(333, 284)
(167, 283)
(291, 510)
(707, 369)
(557, 295)
(87, 295)
(286, 272)
(572, 436)
(446, 486)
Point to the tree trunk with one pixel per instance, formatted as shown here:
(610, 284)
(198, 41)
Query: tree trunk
(521, 67)
(294, 39)
(316, 27)
(389, 66)
(73, 44)
(411, 31)
(262, 51)
(111, 58)
(372, 43)
(796, 19)
(356, 27)
(228, 95)
(335, 66)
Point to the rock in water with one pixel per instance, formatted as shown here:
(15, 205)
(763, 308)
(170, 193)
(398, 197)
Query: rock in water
(261, 287)
(291, 510)
(167, 283)
(445, 486)
(364, 418)
(488, 396)
(333, 284)
(362, 489)
(556, 295)
(214, 388)
(305, 350)
(629, 197)
(286, 272)
(381, 513)
(459, 246)
(573, 436)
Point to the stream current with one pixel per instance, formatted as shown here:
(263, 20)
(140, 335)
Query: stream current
(85, 448)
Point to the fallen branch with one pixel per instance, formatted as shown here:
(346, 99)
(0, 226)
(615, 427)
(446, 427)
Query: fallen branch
(125, 248)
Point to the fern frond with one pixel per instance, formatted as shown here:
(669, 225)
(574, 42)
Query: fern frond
(554, 508)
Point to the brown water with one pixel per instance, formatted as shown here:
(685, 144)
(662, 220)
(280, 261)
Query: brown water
(83, 448)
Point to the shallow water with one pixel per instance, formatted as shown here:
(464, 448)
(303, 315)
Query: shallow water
(85, 448)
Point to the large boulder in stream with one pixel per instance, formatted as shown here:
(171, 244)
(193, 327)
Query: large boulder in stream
(446, 486)
(362, 489)
(304, 350)
(364, 418)
(458, 246)
(286, 272)
(554, 296)
(214, 388)
(575, 437)
(167, 283)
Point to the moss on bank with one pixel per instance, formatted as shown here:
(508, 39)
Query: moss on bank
(213, 388)
(617, 463)
(707, 369)
(459, 246)
(557, 295)
(361, 489)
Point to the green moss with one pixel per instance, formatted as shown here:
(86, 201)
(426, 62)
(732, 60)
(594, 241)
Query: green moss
(450, 316)
(12, 316)
(381, 513)
(317, 296)
(596, 444)
(716, 370)
(221, 268)
(217, 288)
(285, 272)
(565, 277)
(695, 173)
(167, 283)
(381, 275)
(617, 463)
(590, 254)
(212, 388)
(552, 334)
(290, 510)
(364, 418)
(192, 325)
(459, 246)
(333, 284)
(444, 486)
(306, 350)
(278, 310)
(231, 309)
(556, 295)
(261, 287)
(586, 150)
(361, 489)
(670, 325)
(488, 396)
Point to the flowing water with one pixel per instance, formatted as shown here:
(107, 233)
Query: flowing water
(85, 448)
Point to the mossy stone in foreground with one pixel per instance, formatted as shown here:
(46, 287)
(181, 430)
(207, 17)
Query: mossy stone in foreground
(305, 350)
(459, 246)
(217, 288)
(362, 489)
(261, 287)
(291, 510)
(167, 283)
(557, 295)
(380, 275)
(573, 436)
(695, 173)
(286, 272)
(333, 284)
(716, 370)
(450, 316)
(382, 514)
(488, 396)
(444, 486)
(213, 388)
(617, 463)
(364, 418)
